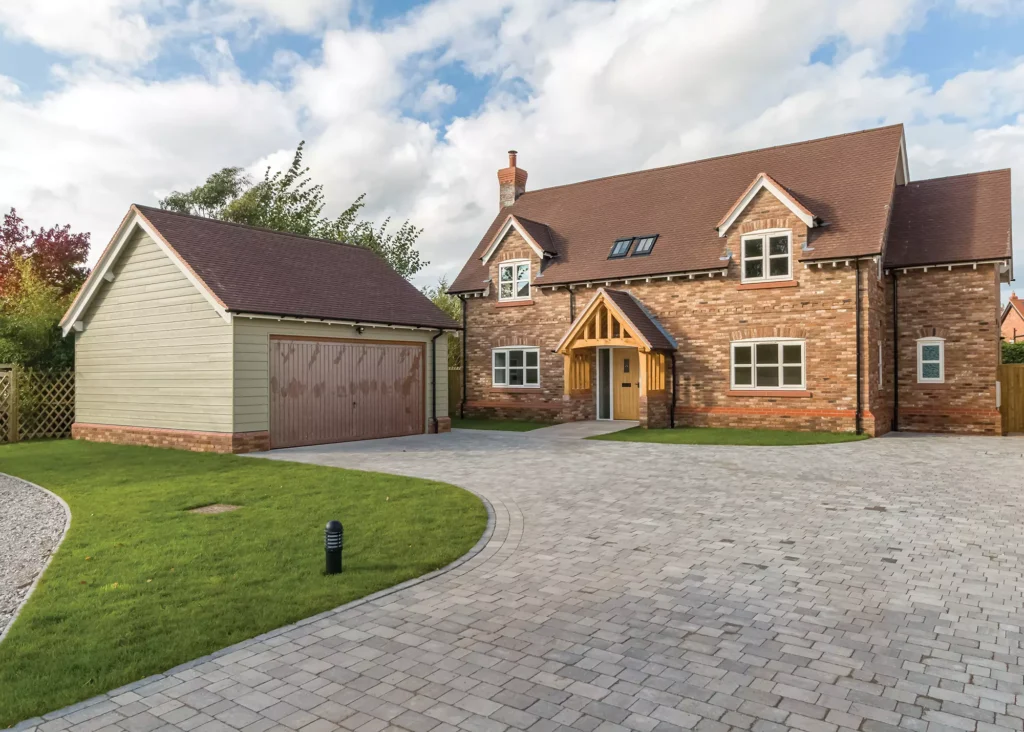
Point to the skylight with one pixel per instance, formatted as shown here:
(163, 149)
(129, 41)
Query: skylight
(644, 245)
(620, 248)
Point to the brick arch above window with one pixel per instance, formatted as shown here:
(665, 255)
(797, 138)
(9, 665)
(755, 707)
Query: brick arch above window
(929, 331)
(783, 331)
(506, 341)
(752, 225)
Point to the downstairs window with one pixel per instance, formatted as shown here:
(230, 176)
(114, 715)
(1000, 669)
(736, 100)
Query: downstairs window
(515, 367)
(768, 364)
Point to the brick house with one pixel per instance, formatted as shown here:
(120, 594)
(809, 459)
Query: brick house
(761, 289)
(1012, 320)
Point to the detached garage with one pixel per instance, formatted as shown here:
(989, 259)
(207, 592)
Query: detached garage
(205, 335)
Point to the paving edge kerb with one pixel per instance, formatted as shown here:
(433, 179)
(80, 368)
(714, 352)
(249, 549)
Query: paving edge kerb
(477, 548)
(64, 533)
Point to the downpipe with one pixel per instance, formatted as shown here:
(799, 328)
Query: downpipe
(433, 381)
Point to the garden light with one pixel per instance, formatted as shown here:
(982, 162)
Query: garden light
(333, 540)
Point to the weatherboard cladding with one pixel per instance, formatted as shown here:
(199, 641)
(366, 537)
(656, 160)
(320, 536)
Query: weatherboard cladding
(253, 270)
(847, 181)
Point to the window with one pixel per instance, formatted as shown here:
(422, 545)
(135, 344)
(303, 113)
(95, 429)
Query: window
(514, 280)
(620, 248)
(768, 365)
(766, 257)
(931, 361)
(516, 366)
(644, 245)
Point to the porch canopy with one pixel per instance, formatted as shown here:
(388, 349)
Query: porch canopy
(614, 318)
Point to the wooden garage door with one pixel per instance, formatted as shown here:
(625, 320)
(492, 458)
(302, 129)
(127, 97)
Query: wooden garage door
(335, 391)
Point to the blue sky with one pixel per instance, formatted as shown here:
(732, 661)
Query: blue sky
(414, 103)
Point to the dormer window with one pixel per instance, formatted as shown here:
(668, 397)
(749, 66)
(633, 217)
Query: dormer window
(620, 248)
(644, 245)
(514, 280)
(766, 256)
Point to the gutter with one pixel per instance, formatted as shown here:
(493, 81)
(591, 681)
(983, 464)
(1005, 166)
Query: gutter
(433, 380)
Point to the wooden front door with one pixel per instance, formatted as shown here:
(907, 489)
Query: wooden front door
(626, 383)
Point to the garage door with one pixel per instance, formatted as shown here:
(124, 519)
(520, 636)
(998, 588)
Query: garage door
(335, 391)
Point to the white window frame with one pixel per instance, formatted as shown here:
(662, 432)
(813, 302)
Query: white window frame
(753, 343)
(932, 341)
(506, 351)
(765, 257)
(514, 264)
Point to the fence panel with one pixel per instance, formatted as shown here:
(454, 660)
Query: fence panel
(454, 391)
(1011, 379)
(36, 404)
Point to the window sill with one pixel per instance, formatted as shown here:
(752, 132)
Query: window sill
(770, 393)
(512, 303)
(513, 389)
(767, 285)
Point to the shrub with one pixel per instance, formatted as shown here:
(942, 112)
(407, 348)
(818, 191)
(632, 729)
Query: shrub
(1013, 352)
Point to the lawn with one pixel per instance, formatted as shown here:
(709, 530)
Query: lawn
(140, 585)
(725, 436)
(503, 425)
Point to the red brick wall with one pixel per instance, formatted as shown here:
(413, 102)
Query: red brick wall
(225, 442)
(962, 306)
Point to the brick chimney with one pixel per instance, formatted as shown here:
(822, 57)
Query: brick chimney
(511, 182)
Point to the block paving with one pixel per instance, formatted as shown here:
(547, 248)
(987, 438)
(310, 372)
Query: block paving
(869, 586)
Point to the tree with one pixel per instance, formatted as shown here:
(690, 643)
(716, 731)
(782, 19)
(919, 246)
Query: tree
(29, 317)
(289, 201)
(58, 256)
(452, 306)
(1013, 352)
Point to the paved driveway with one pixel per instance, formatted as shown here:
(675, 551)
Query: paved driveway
(641, 587)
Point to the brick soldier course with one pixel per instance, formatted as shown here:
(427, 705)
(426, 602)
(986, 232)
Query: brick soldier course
(869, 586)
(916, 249)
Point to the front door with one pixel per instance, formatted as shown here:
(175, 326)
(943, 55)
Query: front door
(626, 383)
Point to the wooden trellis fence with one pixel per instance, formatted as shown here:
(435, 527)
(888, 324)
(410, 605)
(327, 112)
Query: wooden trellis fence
(35, 404)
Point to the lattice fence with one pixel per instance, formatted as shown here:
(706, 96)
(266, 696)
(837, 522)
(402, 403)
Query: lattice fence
(36, 404)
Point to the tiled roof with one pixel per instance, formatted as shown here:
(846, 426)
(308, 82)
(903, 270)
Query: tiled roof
(962, 218)
(267, 272)
(847, 181)
(642, 320)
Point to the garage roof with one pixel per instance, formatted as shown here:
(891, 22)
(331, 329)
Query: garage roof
(243, 269)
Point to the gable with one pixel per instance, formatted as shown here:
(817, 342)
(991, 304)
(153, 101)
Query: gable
(135, 237)
(532, 233)
(764, 183)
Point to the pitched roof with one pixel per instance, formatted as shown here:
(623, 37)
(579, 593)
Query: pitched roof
(962, 218)
(763, 180)
(1014, 303)
(537, 235)
(636, 317)
(847, 181)
(243, 269)
(643, 322)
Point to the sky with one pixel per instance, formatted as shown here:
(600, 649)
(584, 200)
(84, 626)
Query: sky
(415, 102)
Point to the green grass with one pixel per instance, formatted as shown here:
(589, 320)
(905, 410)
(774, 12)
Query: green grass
(139, 586)
(503, 425)
(724, 436)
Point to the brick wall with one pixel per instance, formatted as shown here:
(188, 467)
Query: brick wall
(962, 306)
(224, 442)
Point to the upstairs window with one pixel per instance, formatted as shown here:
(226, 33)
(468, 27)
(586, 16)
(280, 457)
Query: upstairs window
(514, 281)
(931, 361)
(620, 248)
(766, 257)
(644, 245)
(768, 364)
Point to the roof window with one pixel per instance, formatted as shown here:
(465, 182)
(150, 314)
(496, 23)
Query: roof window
(644, 245)
(620, 248)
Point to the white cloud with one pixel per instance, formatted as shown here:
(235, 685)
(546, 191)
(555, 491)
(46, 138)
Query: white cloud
(581, 89)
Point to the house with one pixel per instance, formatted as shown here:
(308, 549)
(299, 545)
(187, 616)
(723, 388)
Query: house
(205, 335)
(810, 286)
(1012, 320)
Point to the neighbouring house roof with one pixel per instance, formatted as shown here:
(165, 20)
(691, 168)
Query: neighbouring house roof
(962, 218)
(242, 269)
(1016, 304)
(633, 315)
(847, 181)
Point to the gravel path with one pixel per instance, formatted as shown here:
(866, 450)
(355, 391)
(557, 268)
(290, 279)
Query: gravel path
(32, 523)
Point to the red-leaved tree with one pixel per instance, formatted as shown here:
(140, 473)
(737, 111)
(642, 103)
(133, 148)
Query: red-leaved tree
(57, 256)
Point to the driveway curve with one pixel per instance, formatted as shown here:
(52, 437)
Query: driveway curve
(864, 586)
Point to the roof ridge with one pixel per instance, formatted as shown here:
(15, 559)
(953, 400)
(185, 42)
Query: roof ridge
(714, 158)
(250, 227)
(961, 175)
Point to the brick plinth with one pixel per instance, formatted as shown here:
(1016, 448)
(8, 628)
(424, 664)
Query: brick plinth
(224, 442)
(443, 424)
(654, 410)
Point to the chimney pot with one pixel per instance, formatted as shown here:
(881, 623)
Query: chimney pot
(511, 158)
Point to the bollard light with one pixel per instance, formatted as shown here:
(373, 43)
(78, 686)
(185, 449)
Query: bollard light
(334, 536)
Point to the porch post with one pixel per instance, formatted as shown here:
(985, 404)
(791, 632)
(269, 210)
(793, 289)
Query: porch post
(568, 372)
